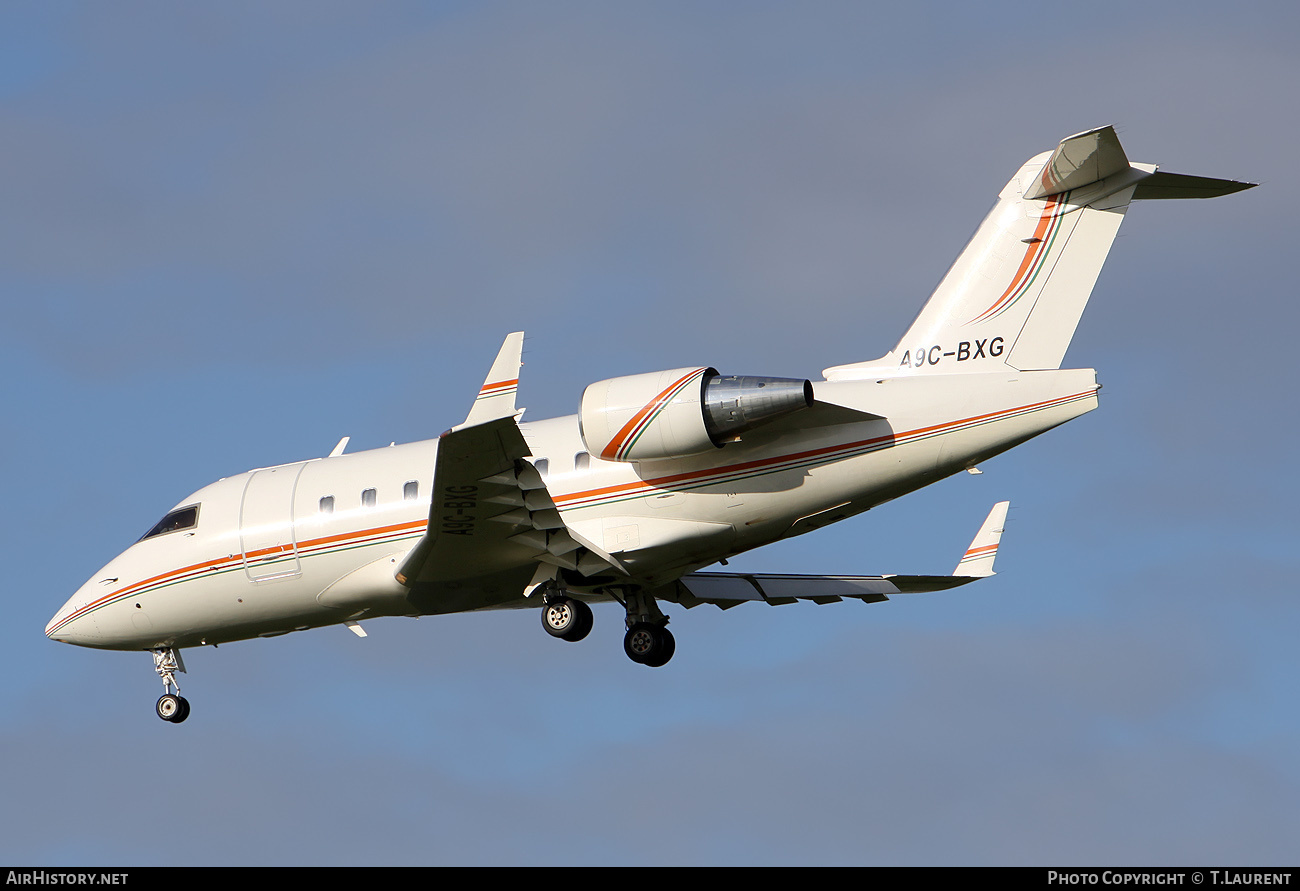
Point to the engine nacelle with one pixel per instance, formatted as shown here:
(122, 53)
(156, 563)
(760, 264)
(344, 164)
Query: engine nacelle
(685, 411)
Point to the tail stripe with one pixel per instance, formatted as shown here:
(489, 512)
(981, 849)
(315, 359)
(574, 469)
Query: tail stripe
(1014, 295)
(1049, 224)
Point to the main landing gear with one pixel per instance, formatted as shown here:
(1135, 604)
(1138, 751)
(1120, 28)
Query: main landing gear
(647, 642)
(171, 706)
(566, 618)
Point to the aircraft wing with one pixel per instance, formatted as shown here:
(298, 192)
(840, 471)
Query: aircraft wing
(728, 589)
(490, 509)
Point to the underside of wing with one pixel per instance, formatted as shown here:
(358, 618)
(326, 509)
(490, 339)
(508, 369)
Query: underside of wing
(466, 535)
(494, 532)
(491, 511)
(728, 589)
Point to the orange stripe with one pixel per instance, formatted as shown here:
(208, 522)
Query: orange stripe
(1031, 254)
(663, 481)
(611, 450)
(658, 482)
(315, 542)
(1048, 179)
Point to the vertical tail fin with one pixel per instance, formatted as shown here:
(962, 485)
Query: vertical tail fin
(1015, 294)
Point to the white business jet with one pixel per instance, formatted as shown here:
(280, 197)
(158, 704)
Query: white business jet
(658, 475)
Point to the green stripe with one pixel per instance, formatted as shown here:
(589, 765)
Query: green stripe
(1053, 231)
(645, 425)
(238, 566)
(811, 461)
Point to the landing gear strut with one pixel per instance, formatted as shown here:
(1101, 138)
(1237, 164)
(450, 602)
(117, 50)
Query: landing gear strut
(648, 641)
(171, 706)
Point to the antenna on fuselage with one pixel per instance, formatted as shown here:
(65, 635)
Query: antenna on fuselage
(338, 449)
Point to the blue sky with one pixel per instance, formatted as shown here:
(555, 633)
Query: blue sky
(234, 233)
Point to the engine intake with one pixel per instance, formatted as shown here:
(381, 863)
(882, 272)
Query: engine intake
(680, 412)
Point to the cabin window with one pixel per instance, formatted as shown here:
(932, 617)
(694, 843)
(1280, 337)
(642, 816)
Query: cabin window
(327, 504)
(411, 490)
(181, 518)
(368, 498)
(581, 461)
(542, 465)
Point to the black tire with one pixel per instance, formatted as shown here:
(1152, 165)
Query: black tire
(184, 712)
(644, 643)
(169, 707)
(586, 621)
(666, 650)
(567, 619)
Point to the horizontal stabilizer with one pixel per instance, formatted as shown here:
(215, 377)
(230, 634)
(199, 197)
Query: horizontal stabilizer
(1088, 158)
(1180, 185)
(1079, 161)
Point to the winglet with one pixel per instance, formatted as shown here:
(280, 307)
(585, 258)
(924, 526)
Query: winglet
(496, 399)
(977, 562)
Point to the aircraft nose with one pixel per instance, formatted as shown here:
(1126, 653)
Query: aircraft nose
(96, 616)
(69, 625)
(61, 626)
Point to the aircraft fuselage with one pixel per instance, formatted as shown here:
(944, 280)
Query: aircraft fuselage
(270, 554)
(659, 474)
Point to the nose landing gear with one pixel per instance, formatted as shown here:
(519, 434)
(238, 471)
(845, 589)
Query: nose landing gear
(171, 706)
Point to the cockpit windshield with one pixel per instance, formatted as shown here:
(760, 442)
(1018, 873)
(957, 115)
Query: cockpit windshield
(181, 518)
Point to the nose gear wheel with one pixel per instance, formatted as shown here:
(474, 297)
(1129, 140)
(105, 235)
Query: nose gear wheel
(173, 708)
